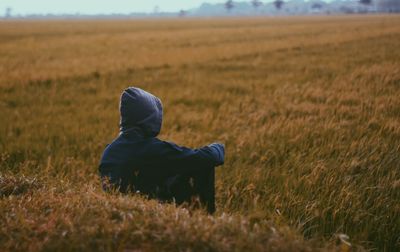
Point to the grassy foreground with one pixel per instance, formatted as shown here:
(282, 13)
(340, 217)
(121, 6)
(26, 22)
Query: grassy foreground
(65, 217)
(309, 110)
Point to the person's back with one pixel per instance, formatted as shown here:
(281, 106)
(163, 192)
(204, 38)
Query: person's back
(138, 161)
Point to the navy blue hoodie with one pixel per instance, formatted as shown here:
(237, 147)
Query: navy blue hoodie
(137, 150)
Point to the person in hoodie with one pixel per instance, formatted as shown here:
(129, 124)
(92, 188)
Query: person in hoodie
(137, 161)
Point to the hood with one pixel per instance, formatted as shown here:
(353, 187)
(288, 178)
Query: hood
(141, 112)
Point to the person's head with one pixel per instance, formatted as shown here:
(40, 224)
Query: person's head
(141, 112)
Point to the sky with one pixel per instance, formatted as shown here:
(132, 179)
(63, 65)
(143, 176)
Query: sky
(24, 7)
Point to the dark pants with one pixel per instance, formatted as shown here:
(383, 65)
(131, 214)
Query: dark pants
(181, 189)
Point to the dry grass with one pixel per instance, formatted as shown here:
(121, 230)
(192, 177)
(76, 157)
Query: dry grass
(309, 109)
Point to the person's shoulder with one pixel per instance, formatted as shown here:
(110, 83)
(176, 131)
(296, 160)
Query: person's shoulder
(123, 144)
(115, 142)
(162, 147)
(172, 145)
(158, 143)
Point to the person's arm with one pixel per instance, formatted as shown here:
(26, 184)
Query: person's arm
(185, 160)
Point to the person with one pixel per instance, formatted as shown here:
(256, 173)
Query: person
(137, 161)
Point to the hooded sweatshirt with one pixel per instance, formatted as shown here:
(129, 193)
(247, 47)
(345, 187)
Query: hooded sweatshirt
(137, 148)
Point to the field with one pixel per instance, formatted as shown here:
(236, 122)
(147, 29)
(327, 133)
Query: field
(308, 108)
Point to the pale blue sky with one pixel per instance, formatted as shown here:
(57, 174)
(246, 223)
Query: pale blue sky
(98, 6)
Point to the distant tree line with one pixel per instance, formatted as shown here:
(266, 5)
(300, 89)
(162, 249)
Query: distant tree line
(389, 5)
(256, 3)
(382, 5)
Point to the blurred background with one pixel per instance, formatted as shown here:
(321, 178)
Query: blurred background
(196, 8)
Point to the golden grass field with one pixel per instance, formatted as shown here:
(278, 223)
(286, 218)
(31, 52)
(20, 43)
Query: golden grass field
(308, 107)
